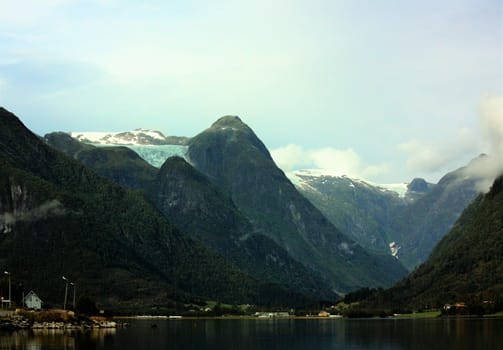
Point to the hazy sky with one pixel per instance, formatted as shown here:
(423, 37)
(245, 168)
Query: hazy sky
(385, 90)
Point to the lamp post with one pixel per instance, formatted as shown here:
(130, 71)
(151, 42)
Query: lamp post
(66, 292)
(10, 300)
(74, 288)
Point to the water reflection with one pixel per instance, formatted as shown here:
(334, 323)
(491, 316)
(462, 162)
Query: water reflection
(271, 334)
(41, 339)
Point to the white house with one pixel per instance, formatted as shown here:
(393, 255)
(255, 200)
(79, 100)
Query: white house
(32, 301)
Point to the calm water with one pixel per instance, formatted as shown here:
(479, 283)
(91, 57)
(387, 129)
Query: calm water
(273, 334)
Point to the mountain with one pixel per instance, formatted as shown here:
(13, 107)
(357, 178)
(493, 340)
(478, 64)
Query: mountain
(150, 145)
(377, 216)
(121, 164)
(239, 164)
(360, 209)
(405, 220)
(134, 137)
(467, 264)
(58, 218)
(190, 201)
(422, 224)
(197, 206)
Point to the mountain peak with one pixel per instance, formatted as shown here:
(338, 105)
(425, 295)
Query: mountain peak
(229, 121)
(418, 185)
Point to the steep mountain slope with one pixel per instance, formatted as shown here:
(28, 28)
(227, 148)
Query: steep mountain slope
(407, 225)
(193, 204)
(361, 210)
(466, 264)
(233, 158)
(120, 164)
(199, 207)
(59, 218)
(419, 227)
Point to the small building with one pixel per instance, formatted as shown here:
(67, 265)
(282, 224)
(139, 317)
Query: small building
(32, 301)
(323, 313)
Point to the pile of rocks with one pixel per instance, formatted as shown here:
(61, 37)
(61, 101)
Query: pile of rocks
(14, 322)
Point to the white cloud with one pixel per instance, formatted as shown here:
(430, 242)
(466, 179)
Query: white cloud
(333, 160)
(491, 122)
(438, 156)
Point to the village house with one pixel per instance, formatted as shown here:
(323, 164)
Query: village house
(32, 301)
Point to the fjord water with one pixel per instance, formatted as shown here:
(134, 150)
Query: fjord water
(269, 334)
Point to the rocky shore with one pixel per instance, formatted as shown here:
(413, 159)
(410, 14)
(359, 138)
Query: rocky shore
(18, 322)
(14, 322)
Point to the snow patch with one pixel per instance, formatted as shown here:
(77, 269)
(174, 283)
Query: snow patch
(345, 247)
(134, 137)
(399, 188)
(300, 182)
(301, 178)
(394, 248)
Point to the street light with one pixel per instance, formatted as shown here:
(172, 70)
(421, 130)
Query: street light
(74, 288)
(66, 292)
(10, 300)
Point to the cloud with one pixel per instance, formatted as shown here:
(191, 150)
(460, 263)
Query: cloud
(486, 169)
(46, 209)
(332, 160)
(491, 121)
(438, 156)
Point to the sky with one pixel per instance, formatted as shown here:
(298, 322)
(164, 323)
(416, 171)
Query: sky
(381, 90)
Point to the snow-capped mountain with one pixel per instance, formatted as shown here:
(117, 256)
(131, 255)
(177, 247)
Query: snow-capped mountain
(304, 178)
(405, 220)
(134, 137)
(361, 208)
(151, 145)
